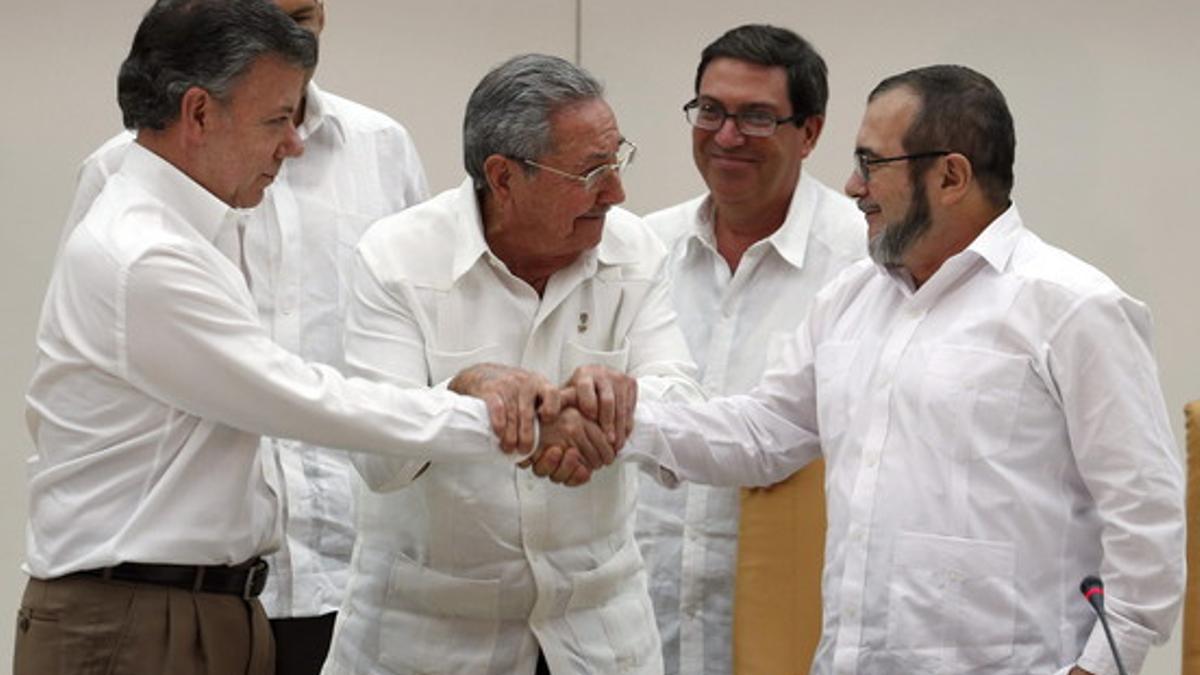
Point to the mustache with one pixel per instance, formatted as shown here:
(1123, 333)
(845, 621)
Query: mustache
(735, 155)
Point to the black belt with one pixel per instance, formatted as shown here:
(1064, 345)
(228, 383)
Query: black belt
(245, 580)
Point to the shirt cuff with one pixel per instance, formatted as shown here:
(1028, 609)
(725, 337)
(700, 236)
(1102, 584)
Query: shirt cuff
(1132, 640)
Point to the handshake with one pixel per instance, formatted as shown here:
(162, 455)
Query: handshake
(583, 423)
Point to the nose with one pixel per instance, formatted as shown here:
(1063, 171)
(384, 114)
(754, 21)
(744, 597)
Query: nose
(855, 185)
(612, 190)
(728, 135)
(292, 145)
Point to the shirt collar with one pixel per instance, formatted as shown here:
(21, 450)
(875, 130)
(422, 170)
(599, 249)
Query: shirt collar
(999, 239)
(790, 240)
(198, 207)
(994, 245)
(318, 112)
(468, 220)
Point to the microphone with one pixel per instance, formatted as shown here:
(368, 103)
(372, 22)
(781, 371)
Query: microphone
(1093, 591)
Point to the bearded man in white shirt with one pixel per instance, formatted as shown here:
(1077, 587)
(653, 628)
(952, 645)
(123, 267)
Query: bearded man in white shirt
(358, 166)
(988, 409)
(525, 264)
(746, 260)
(150, 505)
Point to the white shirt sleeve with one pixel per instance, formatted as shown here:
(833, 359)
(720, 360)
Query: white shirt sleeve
(1102, 366)
(758, 438)
(187, 343)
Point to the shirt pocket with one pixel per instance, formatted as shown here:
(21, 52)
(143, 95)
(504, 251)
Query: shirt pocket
(443, 365)
(609, 612)
(968, 400)
(575, 355)
(434, 622)
(951, 603)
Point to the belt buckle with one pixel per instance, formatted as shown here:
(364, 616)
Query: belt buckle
(253, 575)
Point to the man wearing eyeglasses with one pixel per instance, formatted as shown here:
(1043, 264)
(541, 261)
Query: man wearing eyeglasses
(747, 259)
(988, 409)
(527, 264)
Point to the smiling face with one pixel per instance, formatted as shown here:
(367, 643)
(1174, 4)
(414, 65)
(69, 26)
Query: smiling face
(740, 169)
(552, 217)
(246, 137)
(897, 210)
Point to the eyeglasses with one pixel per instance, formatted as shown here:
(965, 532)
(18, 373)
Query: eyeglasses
(863, 162)
(710, 116)
(590, 180)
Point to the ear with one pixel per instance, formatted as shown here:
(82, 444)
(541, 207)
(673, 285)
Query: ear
(810, 131)
(320, 17)
(499, 172)
(957, 178)
(196, 110)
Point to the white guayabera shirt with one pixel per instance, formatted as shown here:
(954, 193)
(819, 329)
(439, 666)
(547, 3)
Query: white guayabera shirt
(469, 571)
(732, 322)
(151, 367)
(990, 438)
(358, 166)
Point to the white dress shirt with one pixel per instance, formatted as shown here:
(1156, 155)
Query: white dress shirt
(154, 378)
(358, 166)
(733, 324)
(990, 438)
(462, 571)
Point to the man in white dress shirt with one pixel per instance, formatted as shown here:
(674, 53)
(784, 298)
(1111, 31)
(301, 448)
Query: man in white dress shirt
(149, 505)
(358, 166)
(525, 264)
(988, 409)
(746, 260)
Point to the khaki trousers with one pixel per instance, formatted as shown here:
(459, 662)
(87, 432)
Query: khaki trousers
(80, 625)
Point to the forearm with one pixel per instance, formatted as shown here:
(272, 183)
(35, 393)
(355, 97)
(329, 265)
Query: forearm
(726, 441)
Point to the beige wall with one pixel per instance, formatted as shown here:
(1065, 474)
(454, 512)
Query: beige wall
(1103, 91)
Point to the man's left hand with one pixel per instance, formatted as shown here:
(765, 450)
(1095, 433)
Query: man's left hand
(605, 396)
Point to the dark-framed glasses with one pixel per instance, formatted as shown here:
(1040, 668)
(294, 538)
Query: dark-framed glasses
(863, 162)
(592, 178)
(710, 116)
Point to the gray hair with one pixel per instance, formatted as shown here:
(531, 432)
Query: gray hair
(509, 112)
(209, 44)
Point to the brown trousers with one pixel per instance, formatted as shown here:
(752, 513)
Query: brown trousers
(79, 625)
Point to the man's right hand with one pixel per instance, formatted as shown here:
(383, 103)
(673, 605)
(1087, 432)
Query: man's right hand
(572, 448)
(513, 397)
(563, 466)
(570, 429)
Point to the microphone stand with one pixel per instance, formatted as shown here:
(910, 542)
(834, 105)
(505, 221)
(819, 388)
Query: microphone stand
(1093, 591)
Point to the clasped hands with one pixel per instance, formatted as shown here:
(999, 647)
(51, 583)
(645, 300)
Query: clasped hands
(583, 423)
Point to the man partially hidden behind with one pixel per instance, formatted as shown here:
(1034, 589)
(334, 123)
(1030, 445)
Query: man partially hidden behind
(358, 166)
(149, 507)
(746, 260)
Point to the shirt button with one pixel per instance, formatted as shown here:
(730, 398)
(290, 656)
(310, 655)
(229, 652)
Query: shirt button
(872, 459)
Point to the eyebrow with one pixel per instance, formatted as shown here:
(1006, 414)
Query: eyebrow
(753, 105)
(602, 156)
(283, 109)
